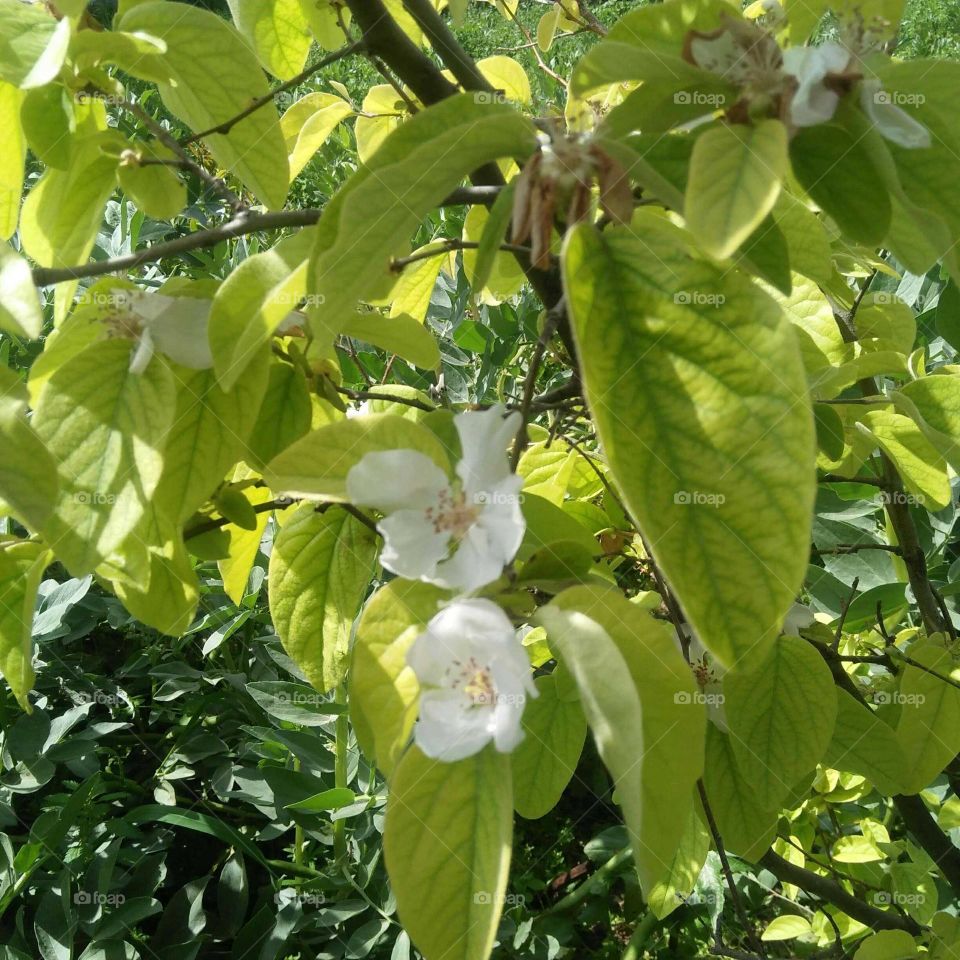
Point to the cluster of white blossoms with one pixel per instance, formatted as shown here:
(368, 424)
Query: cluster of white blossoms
(801, 84)
(473, 671)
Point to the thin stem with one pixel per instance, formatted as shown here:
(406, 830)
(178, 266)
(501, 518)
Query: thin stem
(738, 906)
(227, 125)
(342, 732)
(443, 247)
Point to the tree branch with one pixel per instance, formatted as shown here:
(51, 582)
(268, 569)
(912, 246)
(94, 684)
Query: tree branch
(244, 223)
(227, 125)
(832, 892)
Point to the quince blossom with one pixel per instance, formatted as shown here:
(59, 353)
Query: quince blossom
(176, 326)
(457, 534)
(475, 678)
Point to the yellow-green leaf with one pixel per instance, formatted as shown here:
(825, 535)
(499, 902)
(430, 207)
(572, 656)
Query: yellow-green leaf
(317, 465)
(106, 428)
(215, 76)
(447, 843)
(277, 31)
(308, 123)
(554, 731)
(638, 696)
(21, 567)
(697, 391)
(320, 566)
(781, 710)
(383, 688)
(735, 176)
(13, 152)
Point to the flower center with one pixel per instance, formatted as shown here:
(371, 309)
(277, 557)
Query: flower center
(476, 682)
(703, 672)
(452, 514)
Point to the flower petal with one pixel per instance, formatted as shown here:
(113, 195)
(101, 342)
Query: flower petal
(892, 121)
(484, 436)
(395, 480)
(474, 563)
(812, 101)
(446, 730)
(411, 547)
(179, 328)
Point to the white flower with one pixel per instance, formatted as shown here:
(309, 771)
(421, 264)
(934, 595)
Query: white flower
(798, 618)
(475, 678)
(708, 674)
(176, 326)
(893, 122)
(813, 101)
(458, 535)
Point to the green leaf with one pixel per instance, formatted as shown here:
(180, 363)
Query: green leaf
(684, 868)
(156, 190)
(33, 44)
(13, 153)
(548, 754)
(285, 413)
(64, 210)
(647, 45)
(252, 302)
(208, 435)
(48, 122)
(383, 689)
(331, 799)
(153, 575)
(396, 188)
(293, 702)
(638, 696)
(935, 405)
(402, 335)
(480, 265)
(948, 311)
(20, 312)
(320, 566)
(922, 469)
(447, 842)
(697, 391)
(735, 176)
(307, 124)
(863, 744)
(21, 567)
(830, 437)
(28, 480)
(781, 710)
(277, 31)
(105, 427)
(316, 466)
(929, 726)
(786, 927)
(214, 77)
(840, 176)
(887, 945)
(746, 827)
